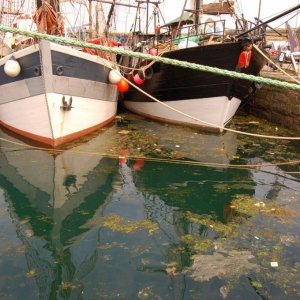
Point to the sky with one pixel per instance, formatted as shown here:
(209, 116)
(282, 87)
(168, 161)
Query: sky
(171, 9)
(250, 8)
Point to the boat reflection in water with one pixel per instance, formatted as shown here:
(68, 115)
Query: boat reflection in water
(82, 225)
(51, 195)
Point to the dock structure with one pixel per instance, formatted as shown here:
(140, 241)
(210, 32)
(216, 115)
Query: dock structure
(275, 104)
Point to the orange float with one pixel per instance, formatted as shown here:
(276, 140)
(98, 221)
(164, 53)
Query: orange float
(123, 86)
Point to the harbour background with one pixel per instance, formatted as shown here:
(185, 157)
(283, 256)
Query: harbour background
(147, 210)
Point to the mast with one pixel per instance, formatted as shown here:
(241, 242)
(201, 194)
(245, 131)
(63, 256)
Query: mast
(197, 17)
(53, 3)
(137, 19)
(181, 17)
(198, 6)
(259, 7)
(112, 7)
(39, 3)
(105, 24)
(90, 20)
(147, 20)
(154, 2)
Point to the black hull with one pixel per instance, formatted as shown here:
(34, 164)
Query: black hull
(171, 83)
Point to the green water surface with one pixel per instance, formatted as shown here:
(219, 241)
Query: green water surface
(144, 210)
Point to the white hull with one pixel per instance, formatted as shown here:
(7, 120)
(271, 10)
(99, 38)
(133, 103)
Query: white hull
(214, 112)
(33, 105)
(41, 118)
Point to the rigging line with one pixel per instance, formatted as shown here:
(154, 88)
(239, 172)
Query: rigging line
(210, 124)
(208, 164)
(269, 60)
(296, 15)
(155, 159)
(207, 123)
(274, 14)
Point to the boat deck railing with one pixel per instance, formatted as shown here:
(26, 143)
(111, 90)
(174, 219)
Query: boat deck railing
(188, 35)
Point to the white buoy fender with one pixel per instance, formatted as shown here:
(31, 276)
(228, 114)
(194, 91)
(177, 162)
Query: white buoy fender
(12, 67)
(114, 76)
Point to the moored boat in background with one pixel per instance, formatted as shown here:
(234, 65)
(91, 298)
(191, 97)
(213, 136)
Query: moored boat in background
(192, 97)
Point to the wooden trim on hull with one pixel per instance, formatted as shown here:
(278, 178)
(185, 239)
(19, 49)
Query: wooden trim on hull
(54, 143)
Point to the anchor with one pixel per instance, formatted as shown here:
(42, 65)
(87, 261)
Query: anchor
(66, 106)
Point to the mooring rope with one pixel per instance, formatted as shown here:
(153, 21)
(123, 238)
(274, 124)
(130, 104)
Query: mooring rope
(174, 62)
(271, 62)
(210, 124)
(155, 159)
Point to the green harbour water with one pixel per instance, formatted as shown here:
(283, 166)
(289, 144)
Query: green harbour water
(146, 210)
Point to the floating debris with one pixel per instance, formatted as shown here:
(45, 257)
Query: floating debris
(108, 246)
(124, 131)
(289, 240)
(31, 273)
(2, 211)
(252, 207)
(274, 264)
(225, 264)
(147, 293)
(24, 221)
(224, 290)
(256, 284)
(140, 250)
(196, 244)
(225, 230)
(107, 257)
(117, 223)
(21, 249)
(171, 269)
(67, 285)
(29, 232)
